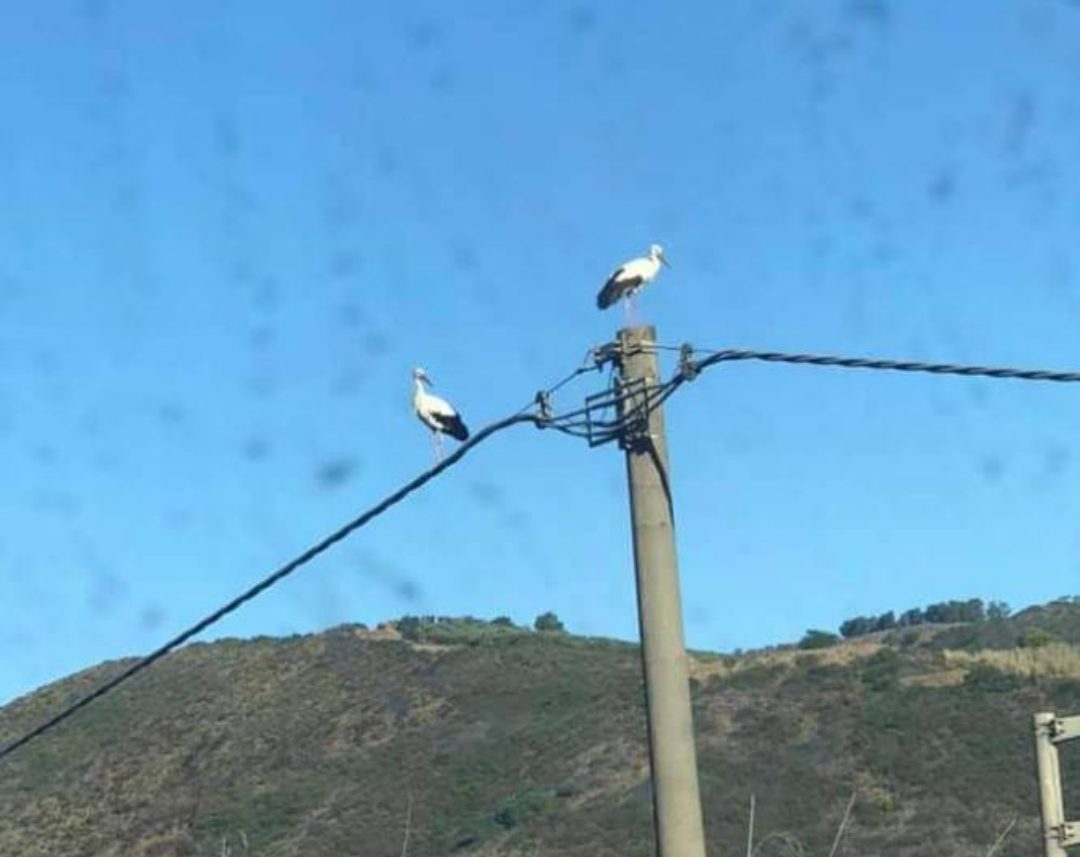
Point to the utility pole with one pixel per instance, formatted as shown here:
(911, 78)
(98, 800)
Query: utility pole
(1051, 730)
(676, 799)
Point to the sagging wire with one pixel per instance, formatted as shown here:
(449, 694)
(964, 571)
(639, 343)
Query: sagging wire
(542, 417)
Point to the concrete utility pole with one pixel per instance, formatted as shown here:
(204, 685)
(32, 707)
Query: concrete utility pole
(676, 799)
(1051, 730)
(1046, 764)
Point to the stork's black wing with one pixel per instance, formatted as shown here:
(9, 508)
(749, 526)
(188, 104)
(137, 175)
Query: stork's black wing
(453, 425)
(615, 288)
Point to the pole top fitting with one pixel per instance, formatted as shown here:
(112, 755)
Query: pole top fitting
(632, 338)
(638, 331)
(635, 340)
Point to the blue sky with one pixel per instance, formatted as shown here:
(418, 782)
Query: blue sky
(229, 234)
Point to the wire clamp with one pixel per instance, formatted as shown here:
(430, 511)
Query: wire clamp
(601, 355)
(1065, 729)
(1068, 834)
(543, 407)
(688, 368)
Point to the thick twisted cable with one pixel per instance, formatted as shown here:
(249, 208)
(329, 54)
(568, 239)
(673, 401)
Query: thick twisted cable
(890, 365)
(271, 579)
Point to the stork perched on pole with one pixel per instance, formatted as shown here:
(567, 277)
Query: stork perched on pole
(630, 277)
(437, 414)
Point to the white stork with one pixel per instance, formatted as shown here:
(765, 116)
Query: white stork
(437, 414)
(629, 278)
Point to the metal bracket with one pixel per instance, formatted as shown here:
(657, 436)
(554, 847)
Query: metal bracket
(1068, 834)
(635, 415)
(601, 355)
(607, 417)
(1065, 729)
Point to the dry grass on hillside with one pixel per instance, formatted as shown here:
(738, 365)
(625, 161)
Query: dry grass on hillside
(841, 654)
(1057, 660)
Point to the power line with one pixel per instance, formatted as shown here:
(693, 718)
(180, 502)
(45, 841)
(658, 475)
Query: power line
(275, 577)
(544, 420)
(733, 354)
(595, 359)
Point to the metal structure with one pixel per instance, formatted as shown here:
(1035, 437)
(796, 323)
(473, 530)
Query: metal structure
(1051, 730)
(619, 413)
(676, 799)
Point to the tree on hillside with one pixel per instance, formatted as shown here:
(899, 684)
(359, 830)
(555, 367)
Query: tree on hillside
(815, 639)
(548, 622)
(937, 614)
(856, 626)
(997, 610)
(945, 612)
(409, 627)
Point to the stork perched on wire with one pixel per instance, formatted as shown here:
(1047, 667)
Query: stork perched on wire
(630, 277)
(437, 414)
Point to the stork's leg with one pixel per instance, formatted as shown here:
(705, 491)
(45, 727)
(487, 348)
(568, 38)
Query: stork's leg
(438, 447)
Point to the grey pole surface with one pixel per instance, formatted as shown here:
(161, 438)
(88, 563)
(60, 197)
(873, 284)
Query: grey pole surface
(1050, 800)
(676, 798)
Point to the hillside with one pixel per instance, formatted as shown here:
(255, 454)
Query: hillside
(489, 740)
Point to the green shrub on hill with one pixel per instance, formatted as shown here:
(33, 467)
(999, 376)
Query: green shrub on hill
(452, 630)
(1035, 638)
(548, 622)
